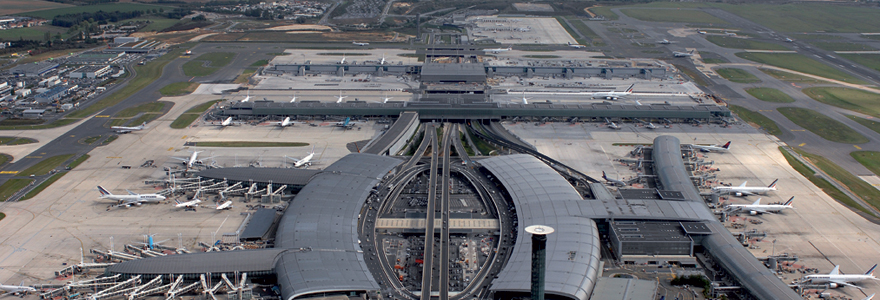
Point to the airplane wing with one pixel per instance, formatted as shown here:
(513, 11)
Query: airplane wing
(181, 159)
(840, 283)
(131, 193)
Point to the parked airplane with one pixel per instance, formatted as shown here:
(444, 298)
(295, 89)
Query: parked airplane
(683, 54)
(192, 160)
(382, 62)
(248, 98)
(188, 52)
(226, 122)
(342, 62)
(869, 297)
(758, 208)
(360, 44)
(348, 123)
(524, 99)
(293, 100)
(19, 289)
(123, 129)
(226, 205)
(790, 40)
(613, 182)
(192, 204)
(576, 46)
(284, 123)
(498, 50)
(611, 124)
(339, 100)
(614, 95)
(651, 126)
(130, 199)
(385, 100)
(743, 190)
(664, 41)
(305, 161)
(834, 279)
(712, 148)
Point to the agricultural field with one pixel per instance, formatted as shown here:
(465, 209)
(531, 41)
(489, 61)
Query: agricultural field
(13, 7)
(800, 63)
(868, 60)
(846, 98)
(48, 14)
(770, 95)
(737, 75)
(822, 125)
(33, 33)
(741, 43)
(678, 16)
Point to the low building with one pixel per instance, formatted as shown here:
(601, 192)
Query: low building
(53, 94)
(34, 69)
(136, 47)
(23, 92)
(33, 113)
(125, 39)
(5, 89)
(90, 72)
(96, 58)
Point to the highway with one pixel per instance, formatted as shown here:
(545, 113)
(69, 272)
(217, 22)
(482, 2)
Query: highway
(448, 132)
(428, 264)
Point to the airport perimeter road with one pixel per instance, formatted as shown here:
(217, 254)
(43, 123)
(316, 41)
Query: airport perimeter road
(68, 143)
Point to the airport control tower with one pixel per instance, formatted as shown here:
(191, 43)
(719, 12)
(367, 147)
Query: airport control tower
(539, 257)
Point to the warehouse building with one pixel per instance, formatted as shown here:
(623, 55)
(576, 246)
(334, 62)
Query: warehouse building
(91, 72)
(34, 69)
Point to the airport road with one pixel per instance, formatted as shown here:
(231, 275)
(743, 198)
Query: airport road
(444, 211)
(428, 264)
(820, 231)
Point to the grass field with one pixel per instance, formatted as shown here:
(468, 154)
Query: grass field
(33, 33)
(869, 159)
(808, 17)
(260, 63)
(741, 43)
(868, 60)
(737, 75)
(821, 183)
(605, 11)
(48, 14)
(585, 30)
(250, 144)
(156, 24)
(852, 182)
(800, 63)
(770, 95)
(91, 139)
(19, 6)
(146, 75)
(4, 158)
(846, 98)
(839, 46)
(873, 125)
(571, 31)
(2, 215)
(823, 126)
(79, 160)
(185, 119)
(756, 119)
(243, 77)
(206, 64)
(693, 74)
(43, 167)
(678, 16)
(790, 77)
(147, 111)
(179, 88)
(12, 186)
(109, 140)
(36, 190)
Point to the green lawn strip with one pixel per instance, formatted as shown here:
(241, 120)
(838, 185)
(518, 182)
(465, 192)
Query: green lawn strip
(868, 60)
(109, 140)
(869, 159)
(465, 144)
(770, 95)
(4, 158)
(756, 119)
(715, 61)
(822, 125)
(48, 14)
(12, 186)
(847, 98)
(91, 139)
(152, 107)
(873, 125)
(800, 63)
(6, 139)
(156, 24)
(677, 16)
(822, 183)
(840, 46)
(863, 189)
(146, 74)
(605, 11)
(179, 88)
(39, 188)
(693, 74)
(260, 63)
(571, 31)
(250, 144)
(807, 17)
(207, 64)
(741, 43)
(2, 215)
(79, 160)
(185, 119)
(43, 167)
(245, 75)
(21, 141)
(737, 75)
(790, 77)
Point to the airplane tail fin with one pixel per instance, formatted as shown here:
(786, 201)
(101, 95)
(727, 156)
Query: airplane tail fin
(103, 191)
(871, 270)
(790, 200)
(773, 185)
(630, 89)
(726, 145)
(603, 175)
(692, 51)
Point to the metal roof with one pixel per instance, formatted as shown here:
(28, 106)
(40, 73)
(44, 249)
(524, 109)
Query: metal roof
(612, 288)
(542, 197)
(323, 218)
(259, 224)
(245, 261)
(278, 176)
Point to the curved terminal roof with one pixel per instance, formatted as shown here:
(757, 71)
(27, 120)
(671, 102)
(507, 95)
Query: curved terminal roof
(322, 219)
(277, 176)
(751, 273)
(542, 197)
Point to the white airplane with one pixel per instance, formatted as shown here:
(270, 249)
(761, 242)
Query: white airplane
(683, 54)
(284, 123)
(248, 97)
(790, 40)
(614, 95)
(305, 161)
(743, 190)
(524, 99)
(19, 289)
(701, 32)
(342, 62)
(293, 100)
(835, 279)
(576, 46)
(651, 126)
(226, 205)
(382, 62)
(339, 100)
(613, 125)
(613, 182)
(131, 199)
(758, 208)
(664, 41)
(192, 160)
(226, 122)
(188, 204)
(123, 129)
(385, 100)
(498, 50)
(869, 297)
(712, 148)
(360, 44)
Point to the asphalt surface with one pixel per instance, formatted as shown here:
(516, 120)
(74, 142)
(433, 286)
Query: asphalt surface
(68, 143)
